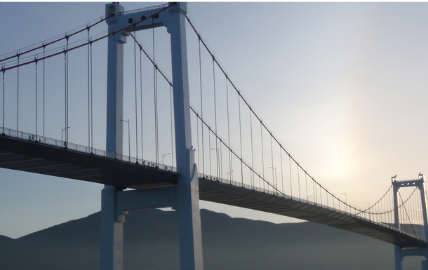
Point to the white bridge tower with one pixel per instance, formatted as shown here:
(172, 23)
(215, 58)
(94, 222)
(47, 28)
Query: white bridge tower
(399, 252)
(184, 197)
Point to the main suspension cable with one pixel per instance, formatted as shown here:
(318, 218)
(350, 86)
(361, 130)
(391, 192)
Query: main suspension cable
(236, 155)
(86, 43)
(56, 40)
(259, 119)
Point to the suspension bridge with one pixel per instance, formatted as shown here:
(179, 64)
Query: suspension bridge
(195, 136)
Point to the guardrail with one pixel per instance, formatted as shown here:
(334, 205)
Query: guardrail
(82, 149)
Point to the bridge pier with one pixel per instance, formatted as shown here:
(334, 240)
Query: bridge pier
(111, 240)
(115, 205)
(398, 258)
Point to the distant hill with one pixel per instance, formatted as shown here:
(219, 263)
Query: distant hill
(151, 242)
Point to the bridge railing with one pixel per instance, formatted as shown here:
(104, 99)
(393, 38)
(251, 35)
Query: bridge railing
(81, 148)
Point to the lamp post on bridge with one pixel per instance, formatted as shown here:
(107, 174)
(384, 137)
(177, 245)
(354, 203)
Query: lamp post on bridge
(313, 190)
(129, 138)
(368, 209)
(218, 155)
(62, 135)
(274, 176)
(163, 158)
(231, 175)
(346, 201)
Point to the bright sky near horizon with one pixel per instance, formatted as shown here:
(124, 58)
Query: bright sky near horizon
(342, 85)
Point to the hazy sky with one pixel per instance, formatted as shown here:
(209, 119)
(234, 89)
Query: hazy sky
(342, 85)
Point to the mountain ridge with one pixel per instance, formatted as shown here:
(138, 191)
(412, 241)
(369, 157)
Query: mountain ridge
(151, 242)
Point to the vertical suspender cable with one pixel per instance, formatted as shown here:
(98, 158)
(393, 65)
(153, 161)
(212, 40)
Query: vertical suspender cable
(306, 180)
(44, 49)
(385, 207)
(202, 114)
(172, 124)
(66, 90)
(3, 97)
(156, 116)
(197, 138)
(92, 100)
(228, 130)
(298, 181)
(89, 98)
(421, 217)
(326, 196)
(240, 140)
(17, 96)
(314, 193)
(263, 160)
(209, 148)
(65, 97)
(252, 150)
(66, 131)
(273, 169)
(141, 105)
(282, 173)
(415, 215)
(410, 211)
(136, 98)
(390, 209)
(36, 97)
(289, 165)
(155, 98)
(215, 120)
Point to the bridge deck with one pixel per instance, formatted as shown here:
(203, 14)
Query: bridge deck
(35, 157)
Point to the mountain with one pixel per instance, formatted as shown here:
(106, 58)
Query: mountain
(151, 242)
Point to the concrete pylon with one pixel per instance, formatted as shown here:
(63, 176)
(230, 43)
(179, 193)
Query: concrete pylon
(184, 197)
(398, 251)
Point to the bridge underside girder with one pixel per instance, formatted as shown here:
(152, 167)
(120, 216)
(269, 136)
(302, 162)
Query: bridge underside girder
(35, 157)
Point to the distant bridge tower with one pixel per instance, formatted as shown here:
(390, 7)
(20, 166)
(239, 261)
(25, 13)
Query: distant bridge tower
(184, 197)
(399, 252)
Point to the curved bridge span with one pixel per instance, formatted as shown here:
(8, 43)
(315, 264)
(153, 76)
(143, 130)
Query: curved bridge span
(31, 155)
